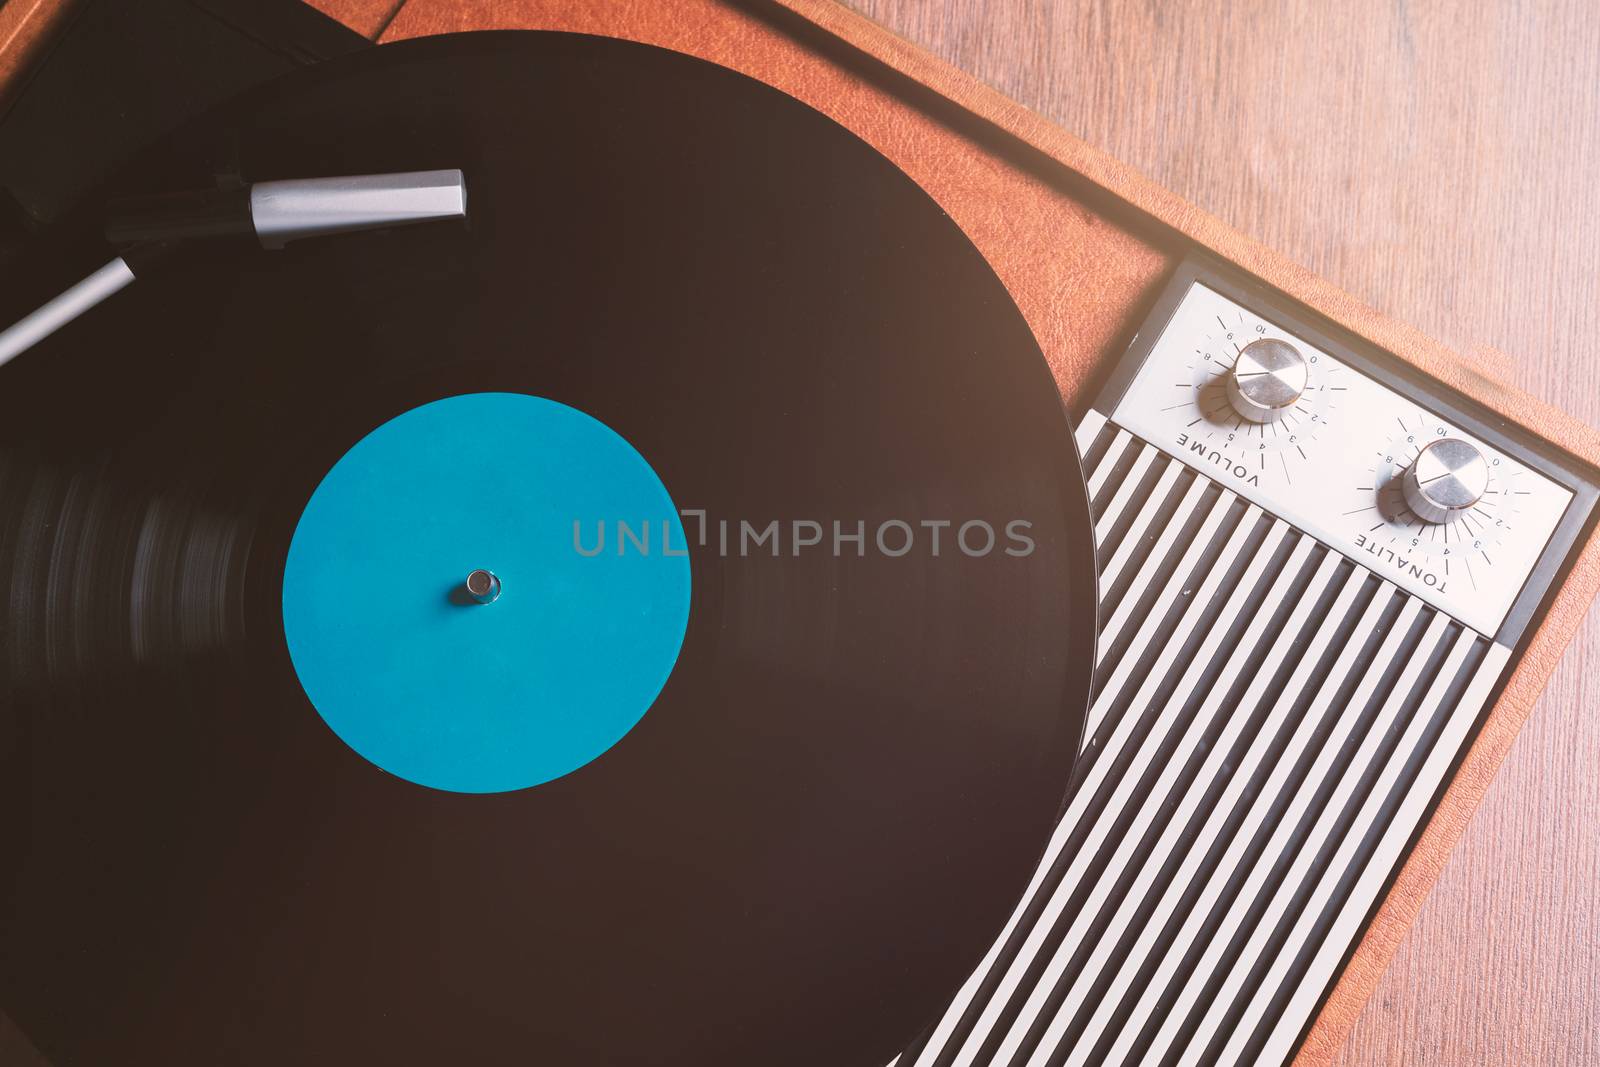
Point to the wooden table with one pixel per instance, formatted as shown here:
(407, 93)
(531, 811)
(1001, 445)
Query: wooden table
(1442, 163)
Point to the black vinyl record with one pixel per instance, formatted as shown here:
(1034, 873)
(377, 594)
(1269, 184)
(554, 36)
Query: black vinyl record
(825, 816)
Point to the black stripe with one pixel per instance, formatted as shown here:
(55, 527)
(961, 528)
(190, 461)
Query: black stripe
(1223, 779)
(1108, 545)
(1119, 472)
(1099, 446)
(1374, 834)
(1181, 977)
(1140, 561)
(1164, 943)
(1302, 892)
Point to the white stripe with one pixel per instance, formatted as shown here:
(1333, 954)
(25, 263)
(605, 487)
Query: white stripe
(1097, 772)
(1152, 620)
(1142, 578)
(1163, 602)
(1108, 462)
(1183, 880)
(1300, 868)
(1150, 803)
(1139, 527)
(1088, 429)
(1371, 883)
(1125, 491)
(1164, 848)
(1376, 871)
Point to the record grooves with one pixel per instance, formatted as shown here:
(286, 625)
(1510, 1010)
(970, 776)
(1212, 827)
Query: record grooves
(819, 824)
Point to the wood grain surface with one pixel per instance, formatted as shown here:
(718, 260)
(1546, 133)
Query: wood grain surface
(1442, 163)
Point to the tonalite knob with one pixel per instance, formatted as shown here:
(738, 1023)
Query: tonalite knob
(1267, 379)
(1445, 480)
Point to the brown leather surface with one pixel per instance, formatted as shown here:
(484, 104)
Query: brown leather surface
(25, 28)
(1081, 241)
(366, 17)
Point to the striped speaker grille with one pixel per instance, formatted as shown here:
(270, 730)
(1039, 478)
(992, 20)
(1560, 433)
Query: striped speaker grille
(1269, 726)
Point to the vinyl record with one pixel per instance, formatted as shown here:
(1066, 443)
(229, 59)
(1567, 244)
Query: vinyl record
(777, 704)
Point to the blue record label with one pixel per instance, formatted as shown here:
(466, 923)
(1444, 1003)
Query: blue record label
(427, 681)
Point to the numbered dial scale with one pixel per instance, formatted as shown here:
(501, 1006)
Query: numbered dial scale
(1253, 394)
(1270, 410)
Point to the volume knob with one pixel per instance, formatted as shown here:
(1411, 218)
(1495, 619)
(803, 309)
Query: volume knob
(1446, 479)
(1267, 380)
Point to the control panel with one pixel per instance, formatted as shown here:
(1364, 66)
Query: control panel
(1363, 465)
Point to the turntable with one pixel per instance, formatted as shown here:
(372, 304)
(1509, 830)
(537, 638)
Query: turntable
(816, 566)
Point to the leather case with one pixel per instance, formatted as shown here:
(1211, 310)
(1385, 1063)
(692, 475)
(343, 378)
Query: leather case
(1083, 243)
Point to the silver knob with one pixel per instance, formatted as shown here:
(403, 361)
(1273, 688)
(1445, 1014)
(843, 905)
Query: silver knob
(1445, 480)
(1267, 379)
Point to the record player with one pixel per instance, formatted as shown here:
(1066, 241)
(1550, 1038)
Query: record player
(1335, 564)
